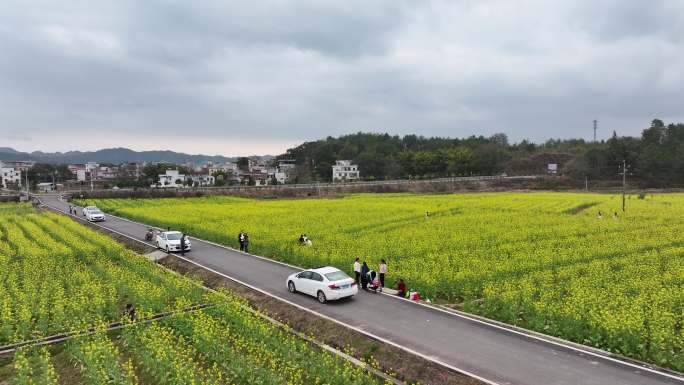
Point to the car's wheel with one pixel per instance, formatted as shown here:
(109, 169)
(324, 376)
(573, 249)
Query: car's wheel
(321, 297)
(291, 287)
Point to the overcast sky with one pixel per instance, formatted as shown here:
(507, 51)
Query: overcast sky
(238, 78)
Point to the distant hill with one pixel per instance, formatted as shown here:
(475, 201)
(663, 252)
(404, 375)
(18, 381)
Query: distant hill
(111, 155)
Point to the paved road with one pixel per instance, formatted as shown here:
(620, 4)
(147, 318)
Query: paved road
(494, 354)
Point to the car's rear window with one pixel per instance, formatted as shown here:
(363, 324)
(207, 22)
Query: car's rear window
(336, 276)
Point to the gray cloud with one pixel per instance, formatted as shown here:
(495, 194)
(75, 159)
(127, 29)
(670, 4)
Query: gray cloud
(219, 76)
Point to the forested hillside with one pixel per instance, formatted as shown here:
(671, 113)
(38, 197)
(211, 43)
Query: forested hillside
(656, 158)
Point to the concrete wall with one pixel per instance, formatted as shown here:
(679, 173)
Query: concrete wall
(443, 185)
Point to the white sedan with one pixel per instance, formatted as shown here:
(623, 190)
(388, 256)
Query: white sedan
(170, 241)
(88, 208)
(324, 283)
(95, 215)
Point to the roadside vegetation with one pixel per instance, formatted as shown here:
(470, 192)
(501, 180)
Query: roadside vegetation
(57, 276)
(543, 261)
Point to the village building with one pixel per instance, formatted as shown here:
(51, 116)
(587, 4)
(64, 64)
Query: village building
(9, 177)
(344, 171)
(172, 178)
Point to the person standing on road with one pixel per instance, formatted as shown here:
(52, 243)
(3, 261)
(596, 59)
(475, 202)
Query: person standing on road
(382, 270)
(357, 270)
(241, 239)
(364, 276)
(182, 244)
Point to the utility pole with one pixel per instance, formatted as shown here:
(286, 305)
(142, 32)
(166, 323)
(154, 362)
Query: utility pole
(624, 182)
(595, 126)
(586, 183)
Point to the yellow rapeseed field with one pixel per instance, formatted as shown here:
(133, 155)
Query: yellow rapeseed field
(58, 276)
(544, 261)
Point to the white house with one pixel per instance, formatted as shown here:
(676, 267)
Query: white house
(107, 172)
(9, 177)
(20, 165)
(81, 175)
(202, 180)
(45, 187)
(285, 165)
(171, 179)
(280, 176)
(92, 166)
(225, 167)
(344, 170)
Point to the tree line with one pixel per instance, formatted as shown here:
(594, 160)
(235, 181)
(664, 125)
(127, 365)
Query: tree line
(656, 157)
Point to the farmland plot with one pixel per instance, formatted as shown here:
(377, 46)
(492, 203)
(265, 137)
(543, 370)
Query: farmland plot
(57, 276)
(543, 261)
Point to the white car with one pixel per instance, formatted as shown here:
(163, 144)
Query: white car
(88, 208)
(170, 241)
(95, 215)
(325, 283)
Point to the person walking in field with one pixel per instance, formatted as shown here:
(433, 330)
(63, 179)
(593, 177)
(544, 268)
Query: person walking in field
(382, 270)
(246, 243)
(241, 239)
(600, 215)
(130, 311)
(364, 275)
(616, 216)
(357, 270)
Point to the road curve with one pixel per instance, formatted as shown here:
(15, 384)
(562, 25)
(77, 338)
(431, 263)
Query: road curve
(488, 352)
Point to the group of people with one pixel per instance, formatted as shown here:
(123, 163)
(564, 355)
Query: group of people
(243, 238)
(368, 278)
(600, 215)
(304, 240)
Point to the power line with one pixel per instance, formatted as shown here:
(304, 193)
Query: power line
(624, 168)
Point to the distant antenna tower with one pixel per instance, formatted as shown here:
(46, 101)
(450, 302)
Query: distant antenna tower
(595, 125)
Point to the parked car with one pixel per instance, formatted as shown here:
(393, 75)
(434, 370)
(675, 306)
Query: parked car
(95, 215)
(170, 241)
(324, 283)
(87, 208)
